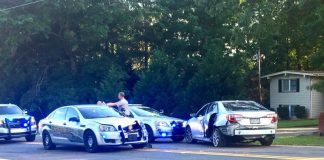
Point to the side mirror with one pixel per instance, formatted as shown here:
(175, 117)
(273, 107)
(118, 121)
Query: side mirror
(74, 119)
(193, 114)
(25, 111)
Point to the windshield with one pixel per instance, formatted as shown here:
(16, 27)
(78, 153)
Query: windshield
(98, 112)
(10, 110)
(146, 112)
(243, 106)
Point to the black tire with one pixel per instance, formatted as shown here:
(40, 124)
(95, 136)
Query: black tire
(218, 138)
(177, 138)
(7, 138)
(150, 134)
(139, 146)
(90, 142)
(47, 141)
(267, 141)
(30, 138)
(188, 136)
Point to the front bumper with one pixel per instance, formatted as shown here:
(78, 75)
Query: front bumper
(167, 132)
(123, 137)
(17, 132)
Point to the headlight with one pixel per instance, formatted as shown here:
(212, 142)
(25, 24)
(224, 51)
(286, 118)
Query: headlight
(33, 121)
(107, 128)
(161, 124)
(2, 123)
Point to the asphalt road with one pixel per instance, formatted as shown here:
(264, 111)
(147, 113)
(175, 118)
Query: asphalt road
(19, 149)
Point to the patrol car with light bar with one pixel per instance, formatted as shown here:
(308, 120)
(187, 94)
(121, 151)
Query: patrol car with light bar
(15, 123)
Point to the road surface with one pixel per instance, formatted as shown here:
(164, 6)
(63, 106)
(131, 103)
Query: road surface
(21, 150)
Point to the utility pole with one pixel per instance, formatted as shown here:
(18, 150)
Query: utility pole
(259, 76)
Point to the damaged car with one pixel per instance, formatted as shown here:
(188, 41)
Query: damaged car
(224, 122)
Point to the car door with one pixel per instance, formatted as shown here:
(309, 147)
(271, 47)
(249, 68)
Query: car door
(212, 109)
(57, 125)
(74, 129)
(196, 123)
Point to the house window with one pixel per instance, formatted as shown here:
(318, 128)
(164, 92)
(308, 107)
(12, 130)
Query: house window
(291, 110)
(288, 85)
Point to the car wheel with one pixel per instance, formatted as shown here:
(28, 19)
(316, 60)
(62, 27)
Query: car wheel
(267, 141)
(30, 138)
(150, 134)
(188, 136)
(7, 138)
(218, 138)
(47, 141)
(90, 142)
(177, 138)
(139, 146)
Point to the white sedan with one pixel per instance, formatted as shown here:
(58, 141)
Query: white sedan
(92, 126)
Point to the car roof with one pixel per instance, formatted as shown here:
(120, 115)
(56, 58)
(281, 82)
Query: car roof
(235, 101)
(81, 105)
(6, 105)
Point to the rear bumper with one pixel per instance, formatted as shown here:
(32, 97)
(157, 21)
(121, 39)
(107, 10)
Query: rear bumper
(254, 132)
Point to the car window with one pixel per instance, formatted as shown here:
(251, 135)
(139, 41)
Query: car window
(243, 106)
(99, 112)
(213, 107)
(10, 110)
(59, 114)
(71, 112)
(202, 111)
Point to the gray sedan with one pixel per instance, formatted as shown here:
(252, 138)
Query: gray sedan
(221, 122)
(157, 124)
(91, 126)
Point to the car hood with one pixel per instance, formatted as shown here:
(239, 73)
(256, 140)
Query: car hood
(115, 121)
(14, 116)
(161, 118)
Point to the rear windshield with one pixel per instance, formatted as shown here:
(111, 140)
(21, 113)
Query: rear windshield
(98, 112)
(10, 110)
(243, 106)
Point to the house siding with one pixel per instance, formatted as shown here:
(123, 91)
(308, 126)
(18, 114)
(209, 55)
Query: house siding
(317, 101)
(302, 98)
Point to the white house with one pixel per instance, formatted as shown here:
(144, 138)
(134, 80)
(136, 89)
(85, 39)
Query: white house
(292, 88)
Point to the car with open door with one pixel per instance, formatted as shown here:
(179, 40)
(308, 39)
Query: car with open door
(91, 126)
(157, 124)
(222, 122)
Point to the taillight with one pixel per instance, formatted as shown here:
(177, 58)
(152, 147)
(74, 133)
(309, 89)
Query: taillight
(274, 117)
(234, 118)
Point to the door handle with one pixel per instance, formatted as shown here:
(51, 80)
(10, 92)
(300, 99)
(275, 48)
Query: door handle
(64, 124)
(50, 122)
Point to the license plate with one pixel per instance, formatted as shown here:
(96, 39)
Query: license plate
(255, 120)
(132, 137)
(18, 130)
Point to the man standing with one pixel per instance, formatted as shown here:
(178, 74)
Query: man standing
(122, 104)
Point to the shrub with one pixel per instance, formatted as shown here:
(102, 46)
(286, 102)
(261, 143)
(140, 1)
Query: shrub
(300, 112)
(283, 112)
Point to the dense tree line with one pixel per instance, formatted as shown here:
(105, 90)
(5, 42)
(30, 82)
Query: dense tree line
(173, 55)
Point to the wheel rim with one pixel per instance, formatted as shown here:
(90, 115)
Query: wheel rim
(46, 140)
(188, 135)
(90, 141)
(215, 139)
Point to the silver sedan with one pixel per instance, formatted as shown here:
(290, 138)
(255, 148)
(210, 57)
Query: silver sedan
(157, 124)
(91, 126)
(221, 122)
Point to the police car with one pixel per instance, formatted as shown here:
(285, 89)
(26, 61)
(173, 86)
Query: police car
(157, 124)
(91, 126)
(14, 123)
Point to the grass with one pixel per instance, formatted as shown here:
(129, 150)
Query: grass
(313, 140)
(297, 123)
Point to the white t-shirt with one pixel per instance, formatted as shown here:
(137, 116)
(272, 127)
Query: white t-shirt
(123, 105)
